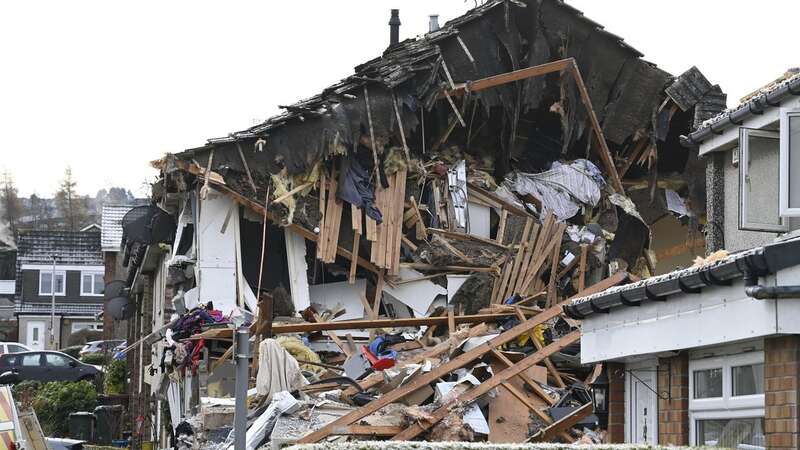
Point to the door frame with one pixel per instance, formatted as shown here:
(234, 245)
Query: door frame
(29, 326)
(650, 365)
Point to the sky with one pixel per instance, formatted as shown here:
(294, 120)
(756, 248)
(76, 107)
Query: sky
(106, 87)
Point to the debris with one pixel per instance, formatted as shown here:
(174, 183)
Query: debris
(278, 370)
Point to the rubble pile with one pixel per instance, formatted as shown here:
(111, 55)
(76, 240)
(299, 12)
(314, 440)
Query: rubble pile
(401, 246)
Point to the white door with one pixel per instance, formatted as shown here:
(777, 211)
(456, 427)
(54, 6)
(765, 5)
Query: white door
(643, 404)
(35, 335)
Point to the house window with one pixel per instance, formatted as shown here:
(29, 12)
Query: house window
(46, 283)
(759, 166)
(92, 283)
(790, 162)
(94, 326)
(726, 408)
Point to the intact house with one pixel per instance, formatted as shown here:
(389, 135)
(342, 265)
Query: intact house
(59, 286)
(8, 258)
(111, 245)
(710, 354)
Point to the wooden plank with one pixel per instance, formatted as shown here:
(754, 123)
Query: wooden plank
(376, 301)
(434, 267)
(466, 237)
(356, 218)
(501, 227)
(371, 131)
(458, 362)
(421, 230)
(545, 252)
(452, 249)
(552, 286)
(582, 267)
(451, 321)
(518, 259)
(521, 74)
(471, 395)
(369, 430)
(603, 151)
(527, 257)
(531, 383)
(366, 324)
(635, 154)
(400, 126)
(283, 197)
(411, 246)
(551, 368)
(345, 348)
(509, 419)
(566, 422)
(322, 202)
(356, 240)
(504, 279)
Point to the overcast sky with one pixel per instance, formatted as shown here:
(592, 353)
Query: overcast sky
(108, 86)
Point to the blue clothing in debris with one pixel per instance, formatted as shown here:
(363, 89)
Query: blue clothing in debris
(356, 188)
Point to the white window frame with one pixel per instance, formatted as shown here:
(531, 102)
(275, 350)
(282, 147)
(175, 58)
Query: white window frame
(90, 293)
(785, 210)
(727, 406)
(93, 326)
(744, 157)
(63, 274)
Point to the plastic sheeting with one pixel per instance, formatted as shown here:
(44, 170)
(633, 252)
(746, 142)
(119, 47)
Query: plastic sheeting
(563, 189)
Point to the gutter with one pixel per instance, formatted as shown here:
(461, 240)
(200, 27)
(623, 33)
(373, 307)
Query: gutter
(749, 265)
(772, 292)
(754, 107)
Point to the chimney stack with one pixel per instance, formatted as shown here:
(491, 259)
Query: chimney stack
(394, 28)
(433, 22)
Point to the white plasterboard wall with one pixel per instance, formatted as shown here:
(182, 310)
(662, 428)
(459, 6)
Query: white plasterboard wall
(346, 294)
(298, 269)
(454, 283)
(479, 220)
(417, 295)
(216, 251)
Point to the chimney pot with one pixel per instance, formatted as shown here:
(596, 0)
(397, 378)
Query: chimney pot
(394, 28)
(433, 22)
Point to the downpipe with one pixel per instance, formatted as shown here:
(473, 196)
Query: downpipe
(772, 292)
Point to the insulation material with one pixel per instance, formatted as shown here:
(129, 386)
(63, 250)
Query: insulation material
(417, 295)
(216, 255)
(562, 189)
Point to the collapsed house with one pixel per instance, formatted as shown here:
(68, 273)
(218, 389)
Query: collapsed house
(411, 234)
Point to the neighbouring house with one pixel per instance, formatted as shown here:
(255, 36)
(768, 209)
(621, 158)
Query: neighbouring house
(111, 244)
(59, 281)
(8, 268)
(710, 354)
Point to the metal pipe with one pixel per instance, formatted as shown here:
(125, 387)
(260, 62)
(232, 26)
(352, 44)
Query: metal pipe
(769, 292)
(242, 383)
(394, 28)
(53, 305)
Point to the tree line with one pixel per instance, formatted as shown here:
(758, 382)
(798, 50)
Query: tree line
(66, 210)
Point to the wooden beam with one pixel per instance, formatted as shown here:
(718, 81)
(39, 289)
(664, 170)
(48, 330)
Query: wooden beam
(366, 324)
(517, 75)
(471, 395)
(295, 190)
(566, 422)
(424, 379)
(533, 385)
(582, 267)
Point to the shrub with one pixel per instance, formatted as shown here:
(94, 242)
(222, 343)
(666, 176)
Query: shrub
(25, 392)
(97, 359)
(116, 377)
(54, 402)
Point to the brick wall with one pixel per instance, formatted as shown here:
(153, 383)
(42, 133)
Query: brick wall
(616, 403)
(781, 383)
(673, 413)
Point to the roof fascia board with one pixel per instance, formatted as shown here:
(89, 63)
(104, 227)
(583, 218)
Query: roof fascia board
(730, 137)
(48, 267)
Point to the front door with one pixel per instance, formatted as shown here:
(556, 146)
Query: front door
(35, 334)
(643, 405)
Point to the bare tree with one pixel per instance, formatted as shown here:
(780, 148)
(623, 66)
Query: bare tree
(71, 206)
(40, 211)
(10, 204)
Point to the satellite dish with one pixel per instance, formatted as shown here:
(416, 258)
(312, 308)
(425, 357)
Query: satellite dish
(113, 289)
(120, 308)
(148, 225)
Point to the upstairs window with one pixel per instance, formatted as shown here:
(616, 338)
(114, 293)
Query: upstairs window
(790, 163)
(47, 284)
(92, 283)
(759, 166)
